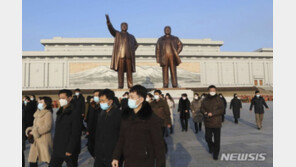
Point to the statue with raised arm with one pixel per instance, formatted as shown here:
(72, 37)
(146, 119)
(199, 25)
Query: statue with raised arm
(167, 50)
(123, 56)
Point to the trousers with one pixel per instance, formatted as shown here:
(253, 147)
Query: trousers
(214, 146)
(125, 65)
(259, 119)
(173, 71)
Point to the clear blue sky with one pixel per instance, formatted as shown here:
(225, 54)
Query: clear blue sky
(243, 25)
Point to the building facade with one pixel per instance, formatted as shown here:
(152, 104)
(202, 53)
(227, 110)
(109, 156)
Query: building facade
(85, 63)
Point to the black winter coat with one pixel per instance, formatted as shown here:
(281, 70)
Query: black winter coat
(141, 141)
(258, 104)
(225, 104)
(67, 136)
(79, 103)
(184, 105)
(28, 111)
(124, 104)
(236, 105)
(107, 134)
(93, 113)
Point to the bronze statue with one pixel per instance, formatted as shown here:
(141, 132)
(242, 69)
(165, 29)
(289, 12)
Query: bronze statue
(123, 56)
(168, 48)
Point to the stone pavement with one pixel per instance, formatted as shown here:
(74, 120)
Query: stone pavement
(187, 149)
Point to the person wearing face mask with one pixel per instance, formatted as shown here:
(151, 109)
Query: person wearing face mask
(259, 103)
(107, 129)
(28, 112)
(87, 104)
(149, 97)
(183, 109)
(41, 149)
(236, 106)
(124, 101)
(196, 114)
(79, 103)
(225, 105)
(171, 104)
(67, 136)
(93, 112)
(33, 102)
(161, 109)
(212, 108)
(140, 140)
(27, 119)
(203, 95)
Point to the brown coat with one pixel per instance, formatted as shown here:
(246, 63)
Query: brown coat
(215, 106)
(160, 48)
(195, 109)
(116, 54)
(162, 110)
(140, 139)
(41, 130)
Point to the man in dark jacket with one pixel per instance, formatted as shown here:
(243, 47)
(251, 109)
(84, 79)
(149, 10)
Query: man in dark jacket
(93, 113)
(140, 141)
(124, 101)
(235, 105)
(67, 137)
(213, 108)
(161, 108)
(29, 108)
(258, 102)
(225, 105)
(79, 102)
(107, 129)
(183, 109)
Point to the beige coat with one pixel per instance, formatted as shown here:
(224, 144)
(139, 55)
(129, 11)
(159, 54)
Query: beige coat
(41, 130)
(171, 106)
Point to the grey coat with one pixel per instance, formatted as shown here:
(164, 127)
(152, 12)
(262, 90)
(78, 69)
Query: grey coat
(195, 109)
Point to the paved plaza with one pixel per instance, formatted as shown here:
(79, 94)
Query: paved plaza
(187, 149)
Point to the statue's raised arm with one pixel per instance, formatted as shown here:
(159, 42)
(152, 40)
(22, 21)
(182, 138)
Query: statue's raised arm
(110, 26)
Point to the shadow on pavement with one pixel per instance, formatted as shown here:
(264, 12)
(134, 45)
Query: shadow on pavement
(240, 120)
(179, 156)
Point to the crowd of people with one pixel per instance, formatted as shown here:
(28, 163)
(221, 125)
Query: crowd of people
(129, 131)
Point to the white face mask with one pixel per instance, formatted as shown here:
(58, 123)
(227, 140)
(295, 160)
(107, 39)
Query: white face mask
(63, 102)
(32, 98)
(212, 93)
(257, 95)
(156, 97)
(195, 97)
(184, 98)
(77, 93)
(40, 106)
(148, 99)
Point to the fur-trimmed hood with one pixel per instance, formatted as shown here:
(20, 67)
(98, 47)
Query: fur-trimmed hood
(144, 113)
(40, 113)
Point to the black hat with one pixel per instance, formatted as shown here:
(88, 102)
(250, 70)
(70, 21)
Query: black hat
(257, 91)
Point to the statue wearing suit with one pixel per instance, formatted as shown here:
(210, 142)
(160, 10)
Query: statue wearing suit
(123, 56)
(168, 48)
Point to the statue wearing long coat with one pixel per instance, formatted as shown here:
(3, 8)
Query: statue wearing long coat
(117, 54)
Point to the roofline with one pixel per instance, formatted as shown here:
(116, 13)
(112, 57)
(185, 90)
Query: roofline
(148, 54)
(152, 41)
